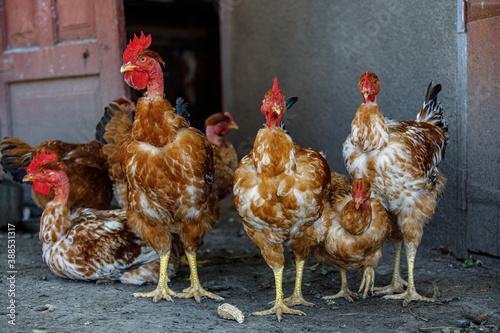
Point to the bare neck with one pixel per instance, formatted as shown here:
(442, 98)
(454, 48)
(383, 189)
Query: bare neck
(212, 135)
(155, 83)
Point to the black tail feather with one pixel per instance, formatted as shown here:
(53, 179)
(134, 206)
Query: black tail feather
(109, 111)
(432, 111)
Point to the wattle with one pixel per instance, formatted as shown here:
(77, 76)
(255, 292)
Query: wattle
(137, 80)
(41, 188)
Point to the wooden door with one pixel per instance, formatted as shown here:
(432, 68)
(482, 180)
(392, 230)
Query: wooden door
(483, 119)
(59, 66)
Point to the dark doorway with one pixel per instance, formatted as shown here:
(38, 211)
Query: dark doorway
(186, 35)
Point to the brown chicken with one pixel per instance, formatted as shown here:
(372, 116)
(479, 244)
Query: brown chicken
(400, 159)
(225, 157)
(355, 228)
(86, 170)
(169, 170)
(279, 191)
(86, 164)
(89, 244)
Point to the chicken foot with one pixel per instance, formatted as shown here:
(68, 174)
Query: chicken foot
(368, 281)
(344, 289)
(297, 298)
(196, 290)
(162, 291)
(397, 284)
(279, 307)
(411, 292)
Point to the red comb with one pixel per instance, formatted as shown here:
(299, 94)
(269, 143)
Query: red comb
(366, 85)
(276, 91)
(41, 159)
(136, 46)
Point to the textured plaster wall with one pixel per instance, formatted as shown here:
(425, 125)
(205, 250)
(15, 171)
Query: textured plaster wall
(318, 50)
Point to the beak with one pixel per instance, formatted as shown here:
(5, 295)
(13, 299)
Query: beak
(127, 67)
(28, 178)
(366, 93)
(234, 126)
(277, 109)
(357, 203)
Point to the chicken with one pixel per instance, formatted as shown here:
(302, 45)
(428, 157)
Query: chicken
(279, 190)
(86, 170)
(225, 157)
(90, 244)
(110, 130)
(400, 159)
(169, 170)
(356, 226)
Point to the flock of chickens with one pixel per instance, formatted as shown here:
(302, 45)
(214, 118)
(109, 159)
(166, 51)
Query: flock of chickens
(168, 178)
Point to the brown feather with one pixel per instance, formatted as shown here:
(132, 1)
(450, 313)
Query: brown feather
(162, 157)
(86, 170)
(283, 185)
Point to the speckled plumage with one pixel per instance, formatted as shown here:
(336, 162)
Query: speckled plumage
(169, 170)
(279, 190)
(89, 244)
(400, 159)
(354, 237)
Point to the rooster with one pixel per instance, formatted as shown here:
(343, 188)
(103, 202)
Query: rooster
(279, 190)
(89, 245)
(225, 157)
(356, 226)
(168, 166)
(400, 159)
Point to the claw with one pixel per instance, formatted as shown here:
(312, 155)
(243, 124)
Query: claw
(408, 297)
(367, 282)
(158, 294)
(297, 300)
(279, 309)
(347, 294)
(344, 292)
(196, 290)
(198, 293)
(162, 290)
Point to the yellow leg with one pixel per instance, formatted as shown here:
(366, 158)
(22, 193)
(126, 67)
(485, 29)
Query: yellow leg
(411, 292)
(279, 307)
(397, 283)
(196, 290)
(162, 290)
(297, 298)
(344, 289)
(367, 281)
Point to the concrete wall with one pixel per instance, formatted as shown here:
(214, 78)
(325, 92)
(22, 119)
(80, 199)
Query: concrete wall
(318, 50)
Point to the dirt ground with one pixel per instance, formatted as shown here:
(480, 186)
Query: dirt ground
(237, 271)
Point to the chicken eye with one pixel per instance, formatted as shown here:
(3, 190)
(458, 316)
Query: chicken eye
(43, 172)
(143, 59)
